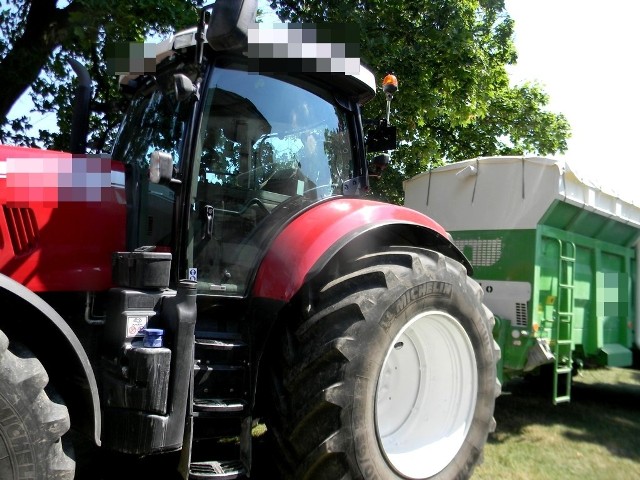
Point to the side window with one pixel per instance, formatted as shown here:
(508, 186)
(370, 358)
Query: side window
(154, 121)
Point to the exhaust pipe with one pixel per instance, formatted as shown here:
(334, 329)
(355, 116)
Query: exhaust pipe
(81, 102)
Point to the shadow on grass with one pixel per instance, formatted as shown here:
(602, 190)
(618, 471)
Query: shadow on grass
(600, 413)
(605, 414)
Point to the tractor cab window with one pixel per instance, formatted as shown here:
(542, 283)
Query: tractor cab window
(155, 121)
(262, 141)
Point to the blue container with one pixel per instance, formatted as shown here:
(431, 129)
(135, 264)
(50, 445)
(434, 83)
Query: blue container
(152, 337)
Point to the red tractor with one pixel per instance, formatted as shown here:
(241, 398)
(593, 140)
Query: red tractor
(222, 267)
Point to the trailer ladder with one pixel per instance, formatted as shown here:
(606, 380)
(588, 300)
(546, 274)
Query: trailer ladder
(562, 348)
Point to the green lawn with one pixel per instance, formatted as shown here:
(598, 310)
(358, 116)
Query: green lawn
(596, 436)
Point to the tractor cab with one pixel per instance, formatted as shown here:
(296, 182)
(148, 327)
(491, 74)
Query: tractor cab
(242, 150)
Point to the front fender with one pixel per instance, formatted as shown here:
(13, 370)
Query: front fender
(53, 318)
(312, 238)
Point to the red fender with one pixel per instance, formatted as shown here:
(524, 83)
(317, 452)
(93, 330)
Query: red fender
(303, 242)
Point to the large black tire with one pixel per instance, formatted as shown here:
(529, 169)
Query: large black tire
(387, 372)
(31, 425)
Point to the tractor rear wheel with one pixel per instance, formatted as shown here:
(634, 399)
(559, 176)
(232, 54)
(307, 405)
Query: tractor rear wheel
(31, 425)
(389, 371)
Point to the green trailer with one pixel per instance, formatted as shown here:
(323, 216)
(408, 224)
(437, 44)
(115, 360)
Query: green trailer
(556, 255)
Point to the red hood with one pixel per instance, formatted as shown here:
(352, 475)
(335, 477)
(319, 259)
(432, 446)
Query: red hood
(62, 217)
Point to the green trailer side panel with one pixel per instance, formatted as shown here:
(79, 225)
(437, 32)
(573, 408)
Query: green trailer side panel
(614, 309)
(505, 256)
(584, 308)
(545, 290)
(600, 291)
(499, 254)
(602, 310)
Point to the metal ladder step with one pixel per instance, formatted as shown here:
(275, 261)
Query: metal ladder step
(216, 367)
(218, 405)
(219, 344)
(219, 470)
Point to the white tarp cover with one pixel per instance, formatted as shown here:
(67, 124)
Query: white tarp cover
(495, 193)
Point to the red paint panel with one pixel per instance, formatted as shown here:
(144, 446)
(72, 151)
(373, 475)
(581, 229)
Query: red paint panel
(301, 244)
(61, 217)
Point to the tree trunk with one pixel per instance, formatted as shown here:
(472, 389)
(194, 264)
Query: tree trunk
(22, 65)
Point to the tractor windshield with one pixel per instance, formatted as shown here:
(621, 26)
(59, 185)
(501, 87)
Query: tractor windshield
(262, 141)
(262, 134)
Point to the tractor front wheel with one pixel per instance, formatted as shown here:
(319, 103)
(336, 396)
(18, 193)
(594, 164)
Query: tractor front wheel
(31, 425)
(388, 372)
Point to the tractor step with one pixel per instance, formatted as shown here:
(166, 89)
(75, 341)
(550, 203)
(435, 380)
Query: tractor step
(218, 405)
(219, 344)
(219, 470)
(221, 373)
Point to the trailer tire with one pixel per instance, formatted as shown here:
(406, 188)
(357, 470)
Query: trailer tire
(340, 408)
(31, 424)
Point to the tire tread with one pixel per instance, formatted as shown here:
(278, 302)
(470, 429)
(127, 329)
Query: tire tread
(319, 344)
(22, 384)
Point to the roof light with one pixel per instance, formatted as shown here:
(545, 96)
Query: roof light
(390, 84)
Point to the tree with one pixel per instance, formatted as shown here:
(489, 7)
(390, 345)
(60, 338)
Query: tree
(38, 36)
(455, 100)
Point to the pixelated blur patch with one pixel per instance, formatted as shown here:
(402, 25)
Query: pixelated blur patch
(613, 294)
(136, 58)
(304, 47)
(49, 181)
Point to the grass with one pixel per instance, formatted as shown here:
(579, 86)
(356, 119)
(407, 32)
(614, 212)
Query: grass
(596, 436)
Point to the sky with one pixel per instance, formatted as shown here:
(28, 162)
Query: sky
(584, 53)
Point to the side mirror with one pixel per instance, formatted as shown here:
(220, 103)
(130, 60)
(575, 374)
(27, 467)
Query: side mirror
(161, 167)
(382, 138)
(183, 86)
(229, 23)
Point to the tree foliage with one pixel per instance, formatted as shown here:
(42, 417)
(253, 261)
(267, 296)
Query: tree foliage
(38, 36)
(454, 101)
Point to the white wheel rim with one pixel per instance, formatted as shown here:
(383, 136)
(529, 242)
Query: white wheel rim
(426, 395)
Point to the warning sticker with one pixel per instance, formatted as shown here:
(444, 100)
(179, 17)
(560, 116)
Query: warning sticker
(192, 274)
(135, 324)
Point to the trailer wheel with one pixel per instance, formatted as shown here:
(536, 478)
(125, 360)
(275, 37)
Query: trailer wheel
(388, 372)
(31, 425)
